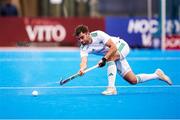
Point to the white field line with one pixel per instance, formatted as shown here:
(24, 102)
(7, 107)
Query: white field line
(39, 49)
(49, 59)
(84, 87)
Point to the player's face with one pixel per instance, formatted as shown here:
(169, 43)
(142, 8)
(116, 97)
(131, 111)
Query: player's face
(84, 38)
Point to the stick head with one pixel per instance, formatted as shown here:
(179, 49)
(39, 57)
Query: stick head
(61, 82)
(61, 79)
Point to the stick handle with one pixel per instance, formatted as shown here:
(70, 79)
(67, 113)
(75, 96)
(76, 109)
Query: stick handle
(91, 68)
(77, 74)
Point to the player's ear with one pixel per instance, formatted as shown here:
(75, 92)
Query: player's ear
(87, 33)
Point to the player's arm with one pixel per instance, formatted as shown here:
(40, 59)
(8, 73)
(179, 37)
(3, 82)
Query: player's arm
(109, 54)
(112, 49)
(83, 65)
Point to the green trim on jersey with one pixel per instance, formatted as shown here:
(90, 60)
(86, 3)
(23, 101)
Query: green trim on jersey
(121, 46)
(94, 34)
(83, 47)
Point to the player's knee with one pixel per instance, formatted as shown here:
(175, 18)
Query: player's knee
(133, 81)
(131, 78)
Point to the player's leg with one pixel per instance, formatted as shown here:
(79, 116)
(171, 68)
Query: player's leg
(125, 70)
(111, 74)
(140, 78)
(127, 73)
(123, 48)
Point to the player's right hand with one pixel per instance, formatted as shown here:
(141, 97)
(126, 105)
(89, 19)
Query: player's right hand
(81, 72)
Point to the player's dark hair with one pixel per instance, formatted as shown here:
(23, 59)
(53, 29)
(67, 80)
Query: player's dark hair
(81, 28)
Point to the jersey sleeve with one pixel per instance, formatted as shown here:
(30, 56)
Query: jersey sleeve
(83, 51)
(104, 36)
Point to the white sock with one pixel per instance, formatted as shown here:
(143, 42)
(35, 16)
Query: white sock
(146, 77)
(111, 73)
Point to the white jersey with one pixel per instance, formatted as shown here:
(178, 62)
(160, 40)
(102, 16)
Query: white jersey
(99, 39)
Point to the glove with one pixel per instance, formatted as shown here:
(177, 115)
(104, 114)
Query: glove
(102, 63)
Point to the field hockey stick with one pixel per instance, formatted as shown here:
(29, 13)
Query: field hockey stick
(76, 75)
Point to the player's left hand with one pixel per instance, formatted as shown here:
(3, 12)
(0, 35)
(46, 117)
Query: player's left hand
(102, 62)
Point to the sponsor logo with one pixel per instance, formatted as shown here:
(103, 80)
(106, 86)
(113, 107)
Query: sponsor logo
(150, 30)
(173, 42)
(46, 33)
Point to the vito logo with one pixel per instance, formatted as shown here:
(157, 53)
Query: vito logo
(46, 33)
